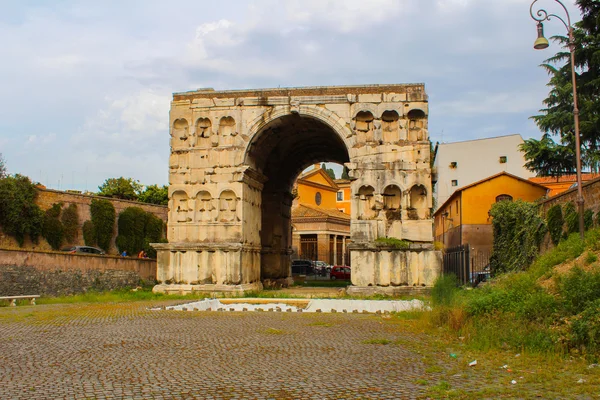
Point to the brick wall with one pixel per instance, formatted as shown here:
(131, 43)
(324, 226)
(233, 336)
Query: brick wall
(47, 197)
(53, 273)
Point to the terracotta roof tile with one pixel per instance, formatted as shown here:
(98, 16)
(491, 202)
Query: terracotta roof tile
(307, 211)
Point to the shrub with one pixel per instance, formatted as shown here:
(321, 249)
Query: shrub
(103, 220)
(585, 328)
(578, 289)
(555, 223)
(20, 216)
(570, 248)
(70, 221)
(392, 242)
(571, 218)
(53, 230)
(588, 219)
(518, 232)
(89, 233)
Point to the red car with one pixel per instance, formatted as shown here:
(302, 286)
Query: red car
(340, 272)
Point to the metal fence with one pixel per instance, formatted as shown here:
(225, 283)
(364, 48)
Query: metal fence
(457, 262)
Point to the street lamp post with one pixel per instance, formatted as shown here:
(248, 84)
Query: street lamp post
(542, 43)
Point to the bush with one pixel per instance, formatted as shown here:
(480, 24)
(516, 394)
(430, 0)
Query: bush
(578, 289)
(20, 216)
(70, 221)
(392, 242)
(570, 248)
(585, 328)
(571, 218)
(103, 220)
(89, 233)
(53, 230)
(518, 232)
(555, 222)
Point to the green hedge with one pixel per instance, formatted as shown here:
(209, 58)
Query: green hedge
(20, 216)
(103, 222)
(53, 229)
(555, 223)
(137, 229)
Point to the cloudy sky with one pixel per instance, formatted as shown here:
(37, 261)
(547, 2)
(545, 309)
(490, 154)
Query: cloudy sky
(86, 85)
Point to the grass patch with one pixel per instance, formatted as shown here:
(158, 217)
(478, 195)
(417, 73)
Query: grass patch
(377, 341)
(321, 323)
(273, 331)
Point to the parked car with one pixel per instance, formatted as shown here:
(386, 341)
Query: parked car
(321, 267)
(480, 276)
(340, 272)
(84, 250)
(302, 267)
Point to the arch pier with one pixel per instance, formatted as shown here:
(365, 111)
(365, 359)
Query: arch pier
(236, 154)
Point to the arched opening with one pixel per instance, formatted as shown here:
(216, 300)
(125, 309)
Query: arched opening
(365, 126)
(418, 202)
(180, 133)
(366, 202)
(417, 125)
(390, 126)
(279, 152)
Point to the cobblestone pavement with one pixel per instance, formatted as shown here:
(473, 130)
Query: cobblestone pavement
(125, 350)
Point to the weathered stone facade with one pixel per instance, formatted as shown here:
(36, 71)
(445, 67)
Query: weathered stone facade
(235, 156)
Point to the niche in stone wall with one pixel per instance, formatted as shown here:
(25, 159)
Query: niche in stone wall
(180, 132)
(365, 126)
(418, 202)
(205, 206)
(227, 130)
(203, 132)
(390, 126)
(392, 202)
(181, 206)
(228, 207)
(366, 203)
(417, 125)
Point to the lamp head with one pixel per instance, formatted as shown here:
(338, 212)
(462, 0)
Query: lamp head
(541, 42)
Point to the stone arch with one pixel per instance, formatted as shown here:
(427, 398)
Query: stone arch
(318, 113)
(181, 208)
(227, 126)
(180, 132)
(366, 202)
(364, 122)
(204, 132)
(418, 202)
(417, 120)
(228, 206)
(204, 206)
(392, 197)
(390, 126)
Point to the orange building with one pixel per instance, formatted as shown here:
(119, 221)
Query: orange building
(561, 184)
(464, 218)
(320, 231)
(343, 195)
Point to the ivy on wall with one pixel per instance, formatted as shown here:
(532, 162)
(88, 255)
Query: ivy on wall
(518, 232)
(555, 222)
(20, 217)
(89, 235)
(103, 222)
(137, 229)
(70, 221)
(53, 229)
(571, 218)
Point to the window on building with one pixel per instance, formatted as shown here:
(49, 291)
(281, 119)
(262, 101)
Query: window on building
(503, 159)
(504, 197)
(340, 195)
(453, 164)
(454, 182)
(318, 198)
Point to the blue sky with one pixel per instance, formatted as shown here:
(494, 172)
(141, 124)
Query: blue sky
(86, 85)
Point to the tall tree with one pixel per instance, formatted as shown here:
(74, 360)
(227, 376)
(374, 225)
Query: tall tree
(155, 195)
(556, 119)
(3, 172)
(329, 171)
(120, 188)
(345, 173)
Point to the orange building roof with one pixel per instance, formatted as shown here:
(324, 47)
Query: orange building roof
(561, 184)
(309, 211)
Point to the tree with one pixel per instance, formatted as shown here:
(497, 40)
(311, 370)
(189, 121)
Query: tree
(547, 158)
(557, 118)
(154, 194)
(103, 222)
(345, 173)
(3, 172)
(329, 171)
(120, 188)
(20, 216)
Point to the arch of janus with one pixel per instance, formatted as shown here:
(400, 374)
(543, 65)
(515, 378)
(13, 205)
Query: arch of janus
(235, 156)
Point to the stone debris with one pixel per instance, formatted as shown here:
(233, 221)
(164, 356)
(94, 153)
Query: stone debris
(314, 306)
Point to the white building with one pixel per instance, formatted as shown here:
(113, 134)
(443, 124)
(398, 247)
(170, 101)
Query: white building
(462, 163)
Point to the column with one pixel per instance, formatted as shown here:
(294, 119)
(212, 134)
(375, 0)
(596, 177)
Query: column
(335, 260)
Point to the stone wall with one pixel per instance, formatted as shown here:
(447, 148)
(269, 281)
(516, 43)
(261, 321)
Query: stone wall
(591, 196)
(53, 274)
(47, 197)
